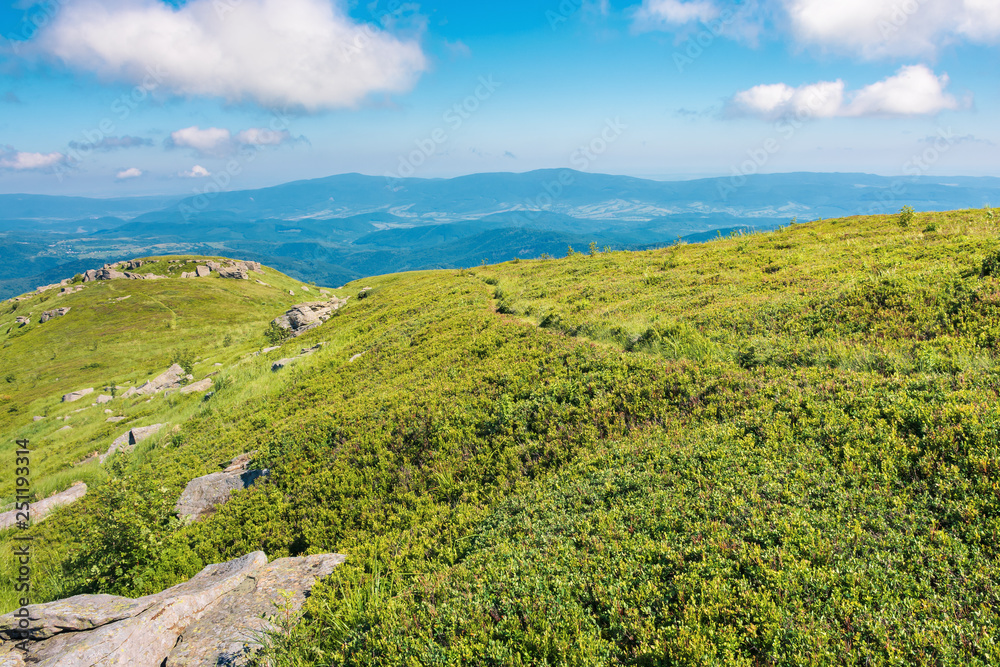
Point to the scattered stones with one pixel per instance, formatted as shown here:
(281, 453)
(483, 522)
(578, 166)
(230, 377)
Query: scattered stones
(281, 363)
(49, 314)
(201, 385)
(77, 395)
(42, 508)
(204, 494)
(37, 418)
(109, 412)
(22, 321)
(70, 290)
(261, 282)
(104, 398)
(306, 316)
(216, 364)
(305, 289)
(205, 621)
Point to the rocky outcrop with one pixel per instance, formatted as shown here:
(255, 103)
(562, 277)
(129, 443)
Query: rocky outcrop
(202, 495)
(77, 395)
(126, 441)
(22, 321)
(306, 316)
(202, 272)
(212, 619)
(173, 378)
(49, 314)
(42, 508)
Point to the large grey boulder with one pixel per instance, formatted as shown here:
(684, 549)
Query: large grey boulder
(43, 508)
(307, 316)
(202, 495)
(211, 640)
(206, 621)
(202, 272)
(77, 395)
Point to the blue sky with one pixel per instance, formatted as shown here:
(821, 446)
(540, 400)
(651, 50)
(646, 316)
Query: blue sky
(121, 97)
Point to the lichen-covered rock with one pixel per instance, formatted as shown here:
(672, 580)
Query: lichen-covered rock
(204, 494)
(207, 620)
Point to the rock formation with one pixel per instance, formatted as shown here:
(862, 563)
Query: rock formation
(204, 494)
(22, 321)
(212, 619)
(171, 379)
(49, 314)
(305, 316)
(77, 395)
(42, 508)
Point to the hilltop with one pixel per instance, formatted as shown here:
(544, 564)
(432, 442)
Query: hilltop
(773, 448)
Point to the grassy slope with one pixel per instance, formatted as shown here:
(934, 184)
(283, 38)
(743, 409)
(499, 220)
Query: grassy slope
(795, 462)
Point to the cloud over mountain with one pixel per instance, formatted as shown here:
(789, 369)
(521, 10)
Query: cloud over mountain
(306, 54)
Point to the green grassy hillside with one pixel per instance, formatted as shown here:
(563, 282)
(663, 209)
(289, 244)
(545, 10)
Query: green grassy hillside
(772, 449)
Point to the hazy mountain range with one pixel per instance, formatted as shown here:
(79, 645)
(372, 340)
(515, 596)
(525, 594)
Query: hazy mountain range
(343, 227)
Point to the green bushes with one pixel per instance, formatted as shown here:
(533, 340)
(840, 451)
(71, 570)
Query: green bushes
(276, 334)
(133, 518)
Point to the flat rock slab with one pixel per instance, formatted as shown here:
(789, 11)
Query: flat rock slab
(201, 385)
(206, 621)
(235, 623)
(43, 508)
(77, 395)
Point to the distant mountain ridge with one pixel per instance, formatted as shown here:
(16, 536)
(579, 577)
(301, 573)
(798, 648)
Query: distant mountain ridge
(343, 227)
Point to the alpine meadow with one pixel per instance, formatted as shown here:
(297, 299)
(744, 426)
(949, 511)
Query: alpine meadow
(535, 333)
(778, 448)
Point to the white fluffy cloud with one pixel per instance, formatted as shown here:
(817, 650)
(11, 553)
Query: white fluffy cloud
(126, 174)
(220, 142)
(886, 28)
(913, 90)
(20, 161)
(196, 171)
(210, 141)
(656, 14)
(278, 53)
